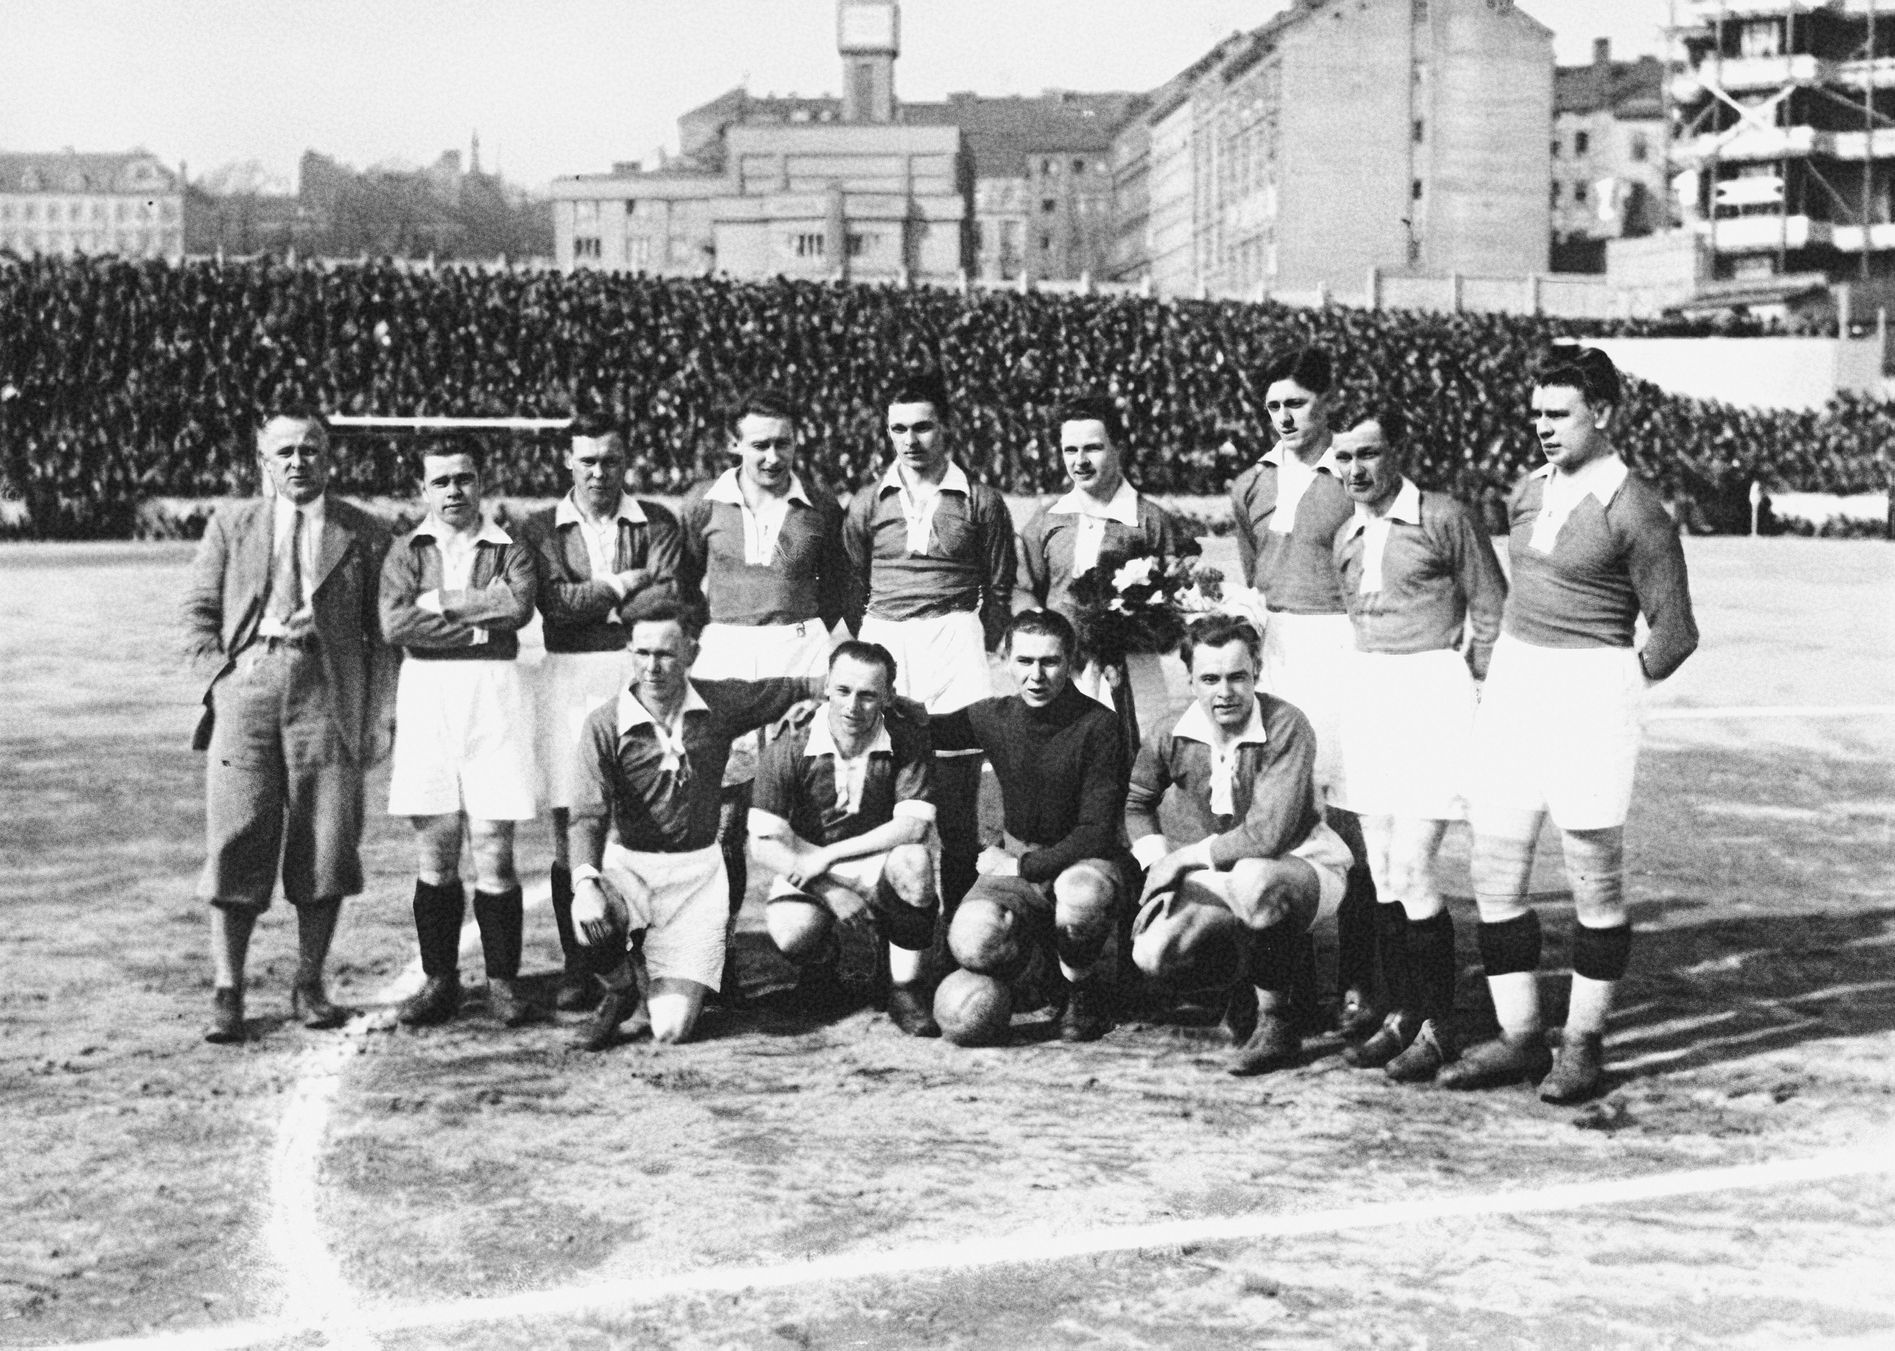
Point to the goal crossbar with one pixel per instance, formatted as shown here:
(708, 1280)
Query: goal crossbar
(365, 422)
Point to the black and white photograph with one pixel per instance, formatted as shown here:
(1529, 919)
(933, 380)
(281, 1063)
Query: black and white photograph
(951, 674)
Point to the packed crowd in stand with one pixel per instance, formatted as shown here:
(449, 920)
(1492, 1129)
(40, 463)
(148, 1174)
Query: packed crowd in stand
(125, 380)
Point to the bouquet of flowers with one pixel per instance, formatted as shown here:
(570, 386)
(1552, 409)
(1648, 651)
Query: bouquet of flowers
(1142, 604)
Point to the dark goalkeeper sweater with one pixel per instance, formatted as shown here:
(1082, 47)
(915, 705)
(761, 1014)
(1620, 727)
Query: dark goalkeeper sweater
(1061, 770)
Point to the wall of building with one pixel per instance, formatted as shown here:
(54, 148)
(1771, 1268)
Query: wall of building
(1800, 373)
(129, 205)
(1492, 103)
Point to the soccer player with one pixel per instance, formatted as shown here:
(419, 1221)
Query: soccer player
(1096, 525)
(282, 603)
(766, 555)
(1558, 727)
(1253, 866)
(456, 590)
(604, 557)
(1287, 508)
(1424, 592)
(651, 770)
(841, 817)
(932, 565)
(1059, 875)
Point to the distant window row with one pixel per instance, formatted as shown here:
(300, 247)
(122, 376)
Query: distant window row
(132, 243)
(79, 211)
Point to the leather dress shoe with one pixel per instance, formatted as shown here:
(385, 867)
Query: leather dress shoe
(1086, 1016)
(1504, 1060)
(1273, 1045)
(1426, 1054)
(1384, 1044)
(911, 1011)
(226, 1017)
(438, 1000)
(1576, 1070)
(311, 1003)
(601, 1031)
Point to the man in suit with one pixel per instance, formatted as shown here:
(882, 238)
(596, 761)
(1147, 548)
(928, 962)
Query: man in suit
(282, 602)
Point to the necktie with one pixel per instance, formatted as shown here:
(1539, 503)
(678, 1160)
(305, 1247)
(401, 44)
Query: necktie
(296, 566)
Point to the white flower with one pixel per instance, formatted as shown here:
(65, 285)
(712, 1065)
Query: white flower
(1135, 572)
(1116, 605)
(1193, 601)
(1246, 603)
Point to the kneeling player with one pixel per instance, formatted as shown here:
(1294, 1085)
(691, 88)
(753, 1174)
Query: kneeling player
(1059, 876)
(455, 591)
(1257, 866)
(841, 815)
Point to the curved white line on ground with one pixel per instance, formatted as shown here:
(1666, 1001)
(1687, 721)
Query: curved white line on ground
(316, 1295)
(1679, 713)
(1039, 1246)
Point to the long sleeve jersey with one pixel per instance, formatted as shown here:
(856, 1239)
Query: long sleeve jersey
(477, 622)
(1438, 579)
(806, 575)
(1584, 580)
(1292, 566)
(584, 612)
(1061, 770)
(1274, 806)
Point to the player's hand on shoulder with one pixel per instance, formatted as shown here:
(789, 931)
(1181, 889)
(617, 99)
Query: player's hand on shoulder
(996, 862)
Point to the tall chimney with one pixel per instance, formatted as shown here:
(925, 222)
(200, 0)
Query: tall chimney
(1602, 51)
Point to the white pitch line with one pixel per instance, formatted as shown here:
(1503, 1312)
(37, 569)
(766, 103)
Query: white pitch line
(1043, 1246)
(521, 424)
(1744, 711)
(316, 1293)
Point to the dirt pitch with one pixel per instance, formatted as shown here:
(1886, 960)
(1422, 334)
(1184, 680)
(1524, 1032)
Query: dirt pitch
(780, 1184)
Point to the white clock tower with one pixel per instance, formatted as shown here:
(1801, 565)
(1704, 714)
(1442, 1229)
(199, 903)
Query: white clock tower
(868, 34)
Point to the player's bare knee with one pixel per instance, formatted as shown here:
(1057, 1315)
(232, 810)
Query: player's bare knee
(909, 873)
(800, 929)
(983, 938)
(1595, 865)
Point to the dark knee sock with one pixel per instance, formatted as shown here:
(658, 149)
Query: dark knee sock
(1275, 955)
(1355, 934)
(501, 919)
(1431, 958)
(733, 839)
(562, 915)
(438, 912)
(1391, 940)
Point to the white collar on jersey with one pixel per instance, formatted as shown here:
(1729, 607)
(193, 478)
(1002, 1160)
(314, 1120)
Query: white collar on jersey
(567, 512)
(1123, 507)
(727, 489)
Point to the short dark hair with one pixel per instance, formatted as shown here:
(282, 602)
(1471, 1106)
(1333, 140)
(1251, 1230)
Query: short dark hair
(1310, 367)
(1091, 407)
(869, 654)
(759, 401)
(593, 426)
(1047, 624)
(1220, 631)
(1586, 369)
(685, 614)
(920, 386)
(456, 445)
(1390, 418)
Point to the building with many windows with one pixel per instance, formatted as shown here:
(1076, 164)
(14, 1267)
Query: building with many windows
(67, 203)
(1786, 132)
(1609, 169)
(1345, 135)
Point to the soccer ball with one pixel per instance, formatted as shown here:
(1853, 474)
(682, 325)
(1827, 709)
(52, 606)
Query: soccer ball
(973, 1010)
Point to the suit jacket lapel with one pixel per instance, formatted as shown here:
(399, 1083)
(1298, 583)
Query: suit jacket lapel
(253, 573)
(335, 543)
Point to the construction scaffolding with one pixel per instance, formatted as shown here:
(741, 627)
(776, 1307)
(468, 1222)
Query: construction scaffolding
(1781, 111)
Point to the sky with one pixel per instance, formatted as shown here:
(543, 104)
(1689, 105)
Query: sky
(557, 87)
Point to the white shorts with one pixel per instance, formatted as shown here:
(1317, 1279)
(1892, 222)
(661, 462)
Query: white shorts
(758, 652)
(1323, 850)
(860, 875)
(940, 663)
(1408, 734)
(684, 917)
(1305, 660)
(1558, 731)
(570, 686)
(463, 742)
